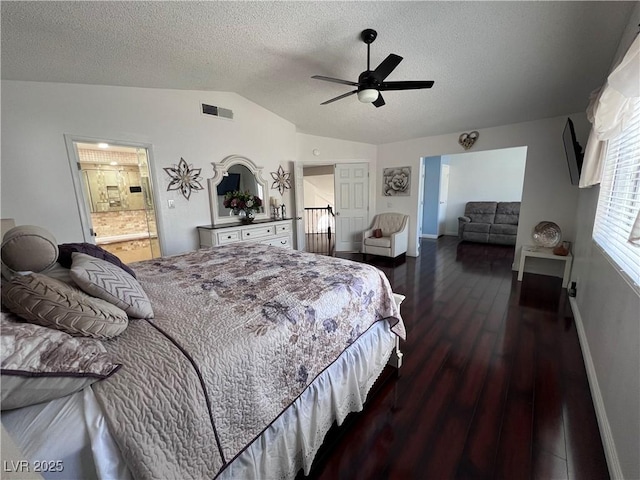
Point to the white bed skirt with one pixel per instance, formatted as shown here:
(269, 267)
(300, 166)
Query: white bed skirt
(73, 429)
(292, 441)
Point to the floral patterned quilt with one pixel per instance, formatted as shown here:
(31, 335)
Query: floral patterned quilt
(239, 332)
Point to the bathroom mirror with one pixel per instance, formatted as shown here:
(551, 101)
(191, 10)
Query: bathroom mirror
(235, 173)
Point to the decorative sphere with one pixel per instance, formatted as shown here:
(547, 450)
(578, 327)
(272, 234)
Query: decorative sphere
(546, 234)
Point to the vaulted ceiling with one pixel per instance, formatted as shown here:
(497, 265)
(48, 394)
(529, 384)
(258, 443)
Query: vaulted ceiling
(493, 63)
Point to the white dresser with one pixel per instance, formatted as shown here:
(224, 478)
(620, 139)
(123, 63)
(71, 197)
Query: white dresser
(277, 233)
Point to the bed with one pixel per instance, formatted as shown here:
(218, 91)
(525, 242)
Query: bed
(252, 353)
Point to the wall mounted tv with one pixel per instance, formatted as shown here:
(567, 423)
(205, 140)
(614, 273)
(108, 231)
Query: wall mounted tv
(230, 183)
(573, 150)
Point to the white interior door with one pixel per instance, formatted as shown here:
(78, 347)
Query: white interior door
(352, 205)
(298, 181)
(442, 201)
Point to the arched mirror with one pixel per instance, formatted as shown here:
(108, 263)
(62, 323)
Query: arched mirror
(235, 173)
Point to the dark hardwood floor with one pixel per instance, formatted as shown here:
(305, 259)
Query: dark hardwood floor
(493, 384)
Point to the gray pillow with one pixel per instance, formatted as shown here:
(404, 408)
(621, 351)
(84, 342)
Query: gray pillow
(29, 248)
(107, 281)
(41, 364)
(52, 303)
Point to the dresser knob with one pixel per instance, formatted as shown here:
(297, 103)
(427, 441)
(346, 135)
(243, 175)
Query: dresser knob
(229, 237)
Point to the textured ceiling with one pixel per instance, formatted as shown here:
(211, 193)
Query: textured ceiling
(493, 63)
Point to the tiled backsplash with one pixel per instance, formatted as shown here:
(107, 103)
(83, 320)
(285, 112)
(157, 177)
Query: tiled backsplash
(108, 224)
(106, 157)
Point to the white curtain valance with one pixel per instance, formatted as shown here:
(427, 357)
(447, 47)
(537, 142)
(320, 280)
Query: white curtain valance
(609, 111)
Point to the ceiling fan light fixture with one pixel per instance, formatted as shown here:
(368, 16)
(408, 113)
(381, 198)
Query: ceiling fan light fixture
(368, 95)
(371, 83)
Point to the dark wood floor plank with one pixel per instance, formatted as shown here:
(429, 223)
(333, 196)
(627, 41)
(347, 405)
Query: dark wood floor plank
(452, 435)
(548, 434)
(493, 385)
(547, 466)
(478, 458)
(516, 440)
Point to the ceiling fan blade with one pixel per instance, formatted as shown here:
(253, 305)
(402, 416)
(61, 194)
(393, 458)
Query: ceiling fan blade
(339, 98)
(412, 85)
(379, 101)
(335, 80)
(387, 66)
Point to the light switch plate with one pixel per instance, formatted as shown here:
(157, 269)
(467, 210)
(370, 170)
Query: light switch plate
(171, 203)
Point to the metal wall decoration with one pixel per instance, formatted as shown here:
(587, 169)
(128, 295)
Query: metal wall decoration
(468, 139)
(396, 181)
(282, 180)
(184, 178)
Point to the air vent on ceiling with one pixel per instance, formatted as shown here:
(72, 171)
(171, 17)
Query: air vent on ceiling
(216, 111)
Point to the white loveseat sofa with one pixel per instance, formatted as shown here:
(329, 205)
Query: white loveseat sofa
(394, 239)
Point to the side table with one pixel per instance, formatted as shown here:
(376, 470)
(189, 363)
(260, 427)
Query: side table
(545, 252)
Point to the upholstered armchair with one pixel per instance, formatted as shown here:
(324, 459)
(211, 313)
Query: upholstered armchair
(394, 239)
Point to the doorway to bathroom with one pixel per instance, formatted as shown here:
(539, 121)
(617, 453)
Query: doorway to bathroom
(115, 196)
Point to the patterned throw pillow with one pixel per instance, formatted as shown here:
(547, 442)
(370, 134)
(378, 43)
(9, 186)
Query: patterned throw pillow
(67, 249)
(108, 282)
(41, 364)
(49, 302)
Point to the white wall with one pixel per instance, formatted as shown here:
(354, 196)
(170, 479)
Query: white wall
(495, 175)
(547, 191)
(609, 311)
(36, 179)
(319, 190)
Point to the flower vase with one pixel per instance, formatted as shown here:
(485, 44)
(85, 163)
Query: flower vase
(246, 217)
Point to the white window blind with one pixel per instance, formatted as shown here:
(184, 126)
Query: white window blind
(619, 200)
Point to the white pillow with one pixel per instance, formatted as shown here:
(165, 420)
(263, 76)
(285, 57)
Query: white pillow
(109, 282)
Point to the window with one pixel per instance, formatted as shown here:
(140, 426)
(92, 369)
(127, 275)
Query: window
(619, 201)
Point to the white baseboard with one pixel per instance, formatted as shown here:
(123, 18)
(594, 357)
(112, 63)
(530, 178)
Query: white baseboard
(429, 235)
(615, 471)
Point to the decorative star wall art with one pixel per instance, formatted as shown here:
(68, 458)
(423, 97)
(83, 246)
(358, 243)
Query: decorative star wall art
(282, 180)
(184, 178)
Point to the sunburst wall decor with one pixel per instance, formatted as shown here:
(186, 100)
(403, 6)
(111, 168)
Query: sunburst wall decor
(282, 180)
(184, 178)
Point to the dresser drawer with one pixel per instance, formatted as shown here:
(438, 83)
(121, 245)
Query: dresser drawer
(227, 236)
(283, 228)
(277, 233)
(258, 232)
(284, 242)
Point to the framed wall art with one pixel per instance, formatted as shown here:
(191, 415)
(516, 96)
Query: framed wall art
(396, 181)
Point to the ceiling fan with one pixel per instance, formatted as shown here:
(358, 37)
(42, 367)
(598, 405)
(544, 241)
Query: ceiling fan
(371, 82)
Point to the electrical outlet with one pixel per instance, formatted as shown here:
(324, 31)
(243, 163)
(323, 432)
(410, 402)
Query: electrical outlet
(171, 203)
(389, 205)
